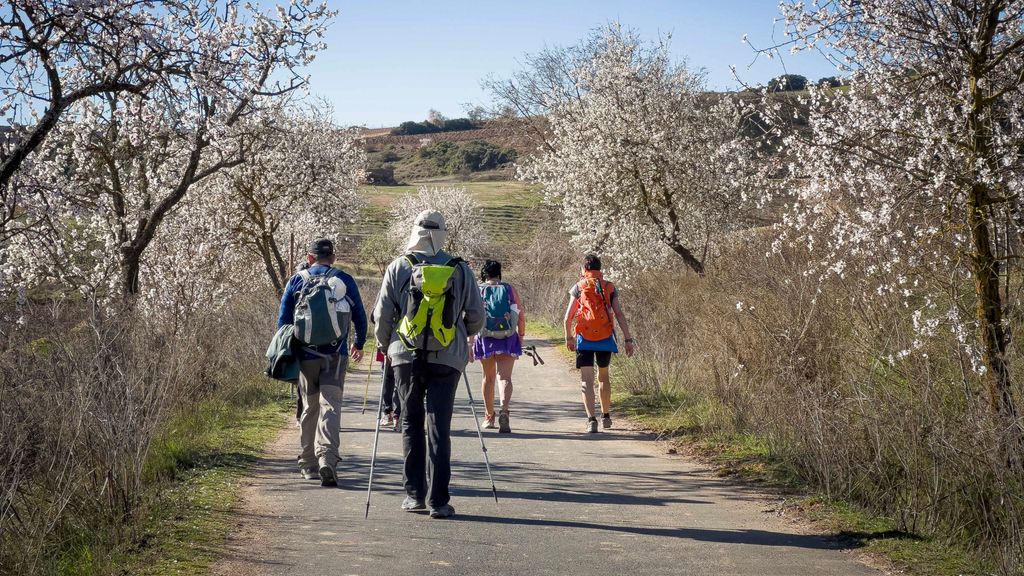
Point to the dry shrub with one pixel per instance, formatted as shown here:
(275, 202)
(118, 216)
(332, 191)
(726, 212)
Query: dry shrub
(814, 368)
(542, 271)
(83, 395)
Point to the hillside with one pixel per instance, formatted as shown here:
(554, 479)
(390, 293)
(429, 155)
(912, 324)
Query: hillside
(509, 209)
(484, 153)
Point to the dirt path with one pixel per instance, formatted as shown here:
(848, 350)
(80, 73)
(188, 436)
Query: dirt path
(571, 503)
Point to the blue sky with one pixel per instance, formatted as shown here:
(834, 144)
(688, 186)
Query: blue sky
(390, 61)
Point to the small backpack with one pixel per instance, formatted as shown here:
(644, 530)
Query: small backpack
(322, 312)
(593, 316)
(502, 320)
(428, 320)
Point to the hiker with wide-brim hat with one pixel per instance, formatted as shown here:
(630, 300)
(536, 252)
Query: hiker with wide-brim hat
(427, 307)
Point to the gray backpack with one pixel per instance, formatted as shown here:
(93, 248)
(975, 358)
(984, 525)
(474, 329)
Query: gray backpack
(323, 312)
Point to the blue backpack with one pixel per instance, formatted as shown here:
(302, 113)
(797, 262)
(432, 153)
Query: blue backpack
(502, 320)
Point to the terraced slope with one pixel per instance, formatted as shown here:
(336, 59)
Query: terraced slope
(509, 209)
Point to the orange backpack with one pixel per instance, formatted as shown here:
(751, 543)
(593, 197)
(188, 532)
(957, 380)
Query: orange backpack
(593, 315)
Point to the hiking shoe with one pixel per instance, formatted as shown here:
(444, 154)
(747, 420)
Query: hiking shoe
(606, 421)
(591, 425)
(327, 476)
(411, 504)
(310, 474)
(503, 426)
(446, 511)
(489, 421)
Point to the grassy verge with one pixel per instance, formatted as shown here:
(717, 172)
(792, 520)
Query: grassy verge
(684, 420)
(196, 468)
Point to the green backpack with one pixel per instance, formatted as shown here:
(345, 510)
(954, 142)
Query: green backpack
(428, 322)
(322, 309)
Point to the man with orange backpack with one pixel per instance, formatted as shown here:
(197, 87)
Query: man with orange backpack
(590, 332)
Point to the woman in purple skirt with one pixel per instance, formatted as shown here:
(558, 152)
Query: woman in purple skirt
(500, 343)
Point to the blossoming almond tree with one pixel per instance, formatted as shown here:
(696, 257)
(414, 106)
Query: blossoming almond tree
(466, 233)
(636, 153)
(55, 53)
(112, 173)
(916, 166)
(301, 181)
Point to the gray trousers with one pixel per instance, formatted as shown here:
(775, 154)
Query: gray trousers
(321, 383)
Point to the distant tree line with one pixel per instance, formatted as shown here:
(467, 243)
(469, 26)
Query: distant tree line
(452, 158)
(796, 83)
(435, 122)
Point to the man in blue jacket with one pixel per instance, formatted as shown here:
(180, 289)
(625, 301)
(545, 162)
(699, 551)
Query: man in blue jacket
(322, 371)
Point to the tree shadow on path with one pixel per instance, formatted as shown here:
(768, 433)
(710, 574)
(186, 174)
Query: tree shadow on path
(747, 536)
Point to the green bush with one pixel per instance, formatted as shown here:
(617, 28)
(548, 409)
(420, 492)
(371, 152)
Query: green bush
(412, 128)
(787, 83)
(452, 158)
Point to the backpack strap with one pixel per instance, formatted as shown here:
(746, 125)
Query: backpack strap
(305, 276)
(412, 258)
(602, 289)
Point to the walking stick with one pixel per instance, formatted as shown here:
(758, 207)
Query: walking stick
(366, 392)
(480, 433)
(531, 351)
(376, 434)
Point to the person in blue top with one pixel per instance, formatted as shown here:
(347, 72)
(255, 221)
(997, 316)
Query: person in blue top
(322, 371)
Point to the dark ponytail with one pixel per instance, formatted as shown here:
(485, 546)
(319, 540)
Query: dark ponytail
(490, 269)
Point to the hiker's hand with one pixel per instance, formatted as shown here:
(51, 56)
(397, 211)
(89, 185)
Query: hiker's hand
(629, 349)
(355, 354)
(570, 344)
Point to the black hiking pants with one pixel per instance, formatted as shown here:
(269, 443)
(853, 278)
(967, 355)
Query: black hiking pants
(392, 401)
(436, 384)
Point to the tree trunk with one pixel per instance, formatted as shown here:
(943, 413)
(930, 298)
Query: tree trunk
(268, 263)
(691, 261)
(131, 262)
(985, 266)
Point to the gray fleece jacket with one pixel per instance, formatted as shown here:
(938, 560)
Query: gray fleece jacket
(388, 312)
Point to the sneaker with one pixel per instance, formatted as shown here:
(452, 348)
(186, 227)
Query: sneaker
(591, 425)
(411, 504)
(446, 511)
(606, 421)
(489, 421)
(310, 474)
(387, 420)
(327, 476)
(503, 426)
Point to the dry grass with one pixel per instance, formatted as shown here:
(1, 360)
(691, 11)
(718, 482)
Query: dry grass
(811, 370)
(83, 397)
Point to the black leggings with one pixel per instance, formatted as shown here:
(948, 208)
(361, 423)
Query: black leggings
(392, 401)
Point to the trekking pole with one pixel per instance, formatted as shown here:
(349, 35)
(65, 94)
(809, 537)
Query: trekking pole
(480, 434)
(376, 435)
(366, 392)
(531, 351)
